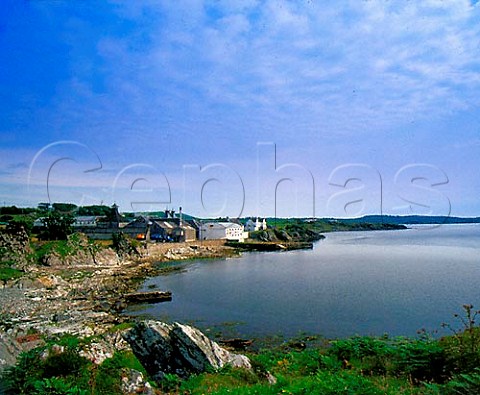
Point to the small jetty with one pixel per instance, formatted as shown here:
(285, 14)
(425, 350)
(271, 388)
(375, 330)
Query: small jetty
(270, 246)
(148, 297)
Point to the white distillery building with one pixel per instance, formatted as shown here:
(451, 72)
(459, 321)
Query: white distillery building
(254, 226)
(223, 231)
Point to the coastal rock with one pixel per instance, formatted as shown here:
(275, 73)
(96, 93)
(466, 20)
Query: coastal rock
(97, 353)
(78, 252)
(15, 248)
(104, 347)
(133, 382)
(178, 349)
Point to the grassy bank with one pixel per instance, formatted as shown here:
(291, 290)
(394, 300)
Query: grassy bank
(358, 365)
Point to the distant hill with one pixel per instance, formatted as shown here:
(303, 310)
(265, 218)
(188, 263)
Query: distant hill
(161, 214)
(408, 219)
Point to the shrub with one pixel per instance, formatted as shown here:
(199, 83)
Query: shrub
(57, 386)
(371, 353)
(465, 384)
(421, 360)
(8, 273)
(20, 378)
(107, 379)
(463, 347)
(123, 245)
(63, 364)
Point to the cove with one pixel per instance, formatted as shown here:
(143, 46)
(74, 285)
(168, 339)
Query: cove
(365, 283)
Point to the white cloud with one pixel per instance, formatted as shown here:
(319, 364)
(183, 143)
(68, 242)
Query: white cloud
(232, 73)
(336, 65)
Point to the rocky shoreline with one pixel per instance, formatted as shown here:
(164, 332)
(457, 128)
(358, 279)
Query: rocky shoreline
(83, 299)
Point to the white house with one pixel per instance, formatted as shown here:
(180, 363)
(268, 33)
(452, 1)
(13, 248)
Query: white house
(223, 230)
(251, 226)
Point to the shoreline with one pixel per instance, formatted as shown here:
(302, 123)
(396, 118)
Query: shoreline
(88, 300)
(83, 300)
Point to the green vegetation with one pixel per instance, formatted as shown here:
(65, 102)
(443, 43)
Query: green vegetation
(73, 245)
(124, 245)
(65, 208)
(310, 230)
(322, 225)
(19, 222)
(100, 211)
(14, 253)
(358, 365)
(57, 226)
(413, 219)
(8, 273)
(13, 210)
(58, 368)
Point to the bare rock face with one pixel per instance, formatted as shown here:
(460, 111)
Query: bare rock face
(178, 349)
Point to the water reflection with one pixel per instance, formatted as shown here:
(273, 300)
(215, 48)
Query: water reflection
(392, 282)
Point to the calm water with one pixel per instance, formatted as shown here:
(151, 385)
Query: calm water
(392, 282)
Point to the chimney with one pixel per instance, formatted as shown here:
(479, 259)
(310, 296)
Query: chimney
(180, 212)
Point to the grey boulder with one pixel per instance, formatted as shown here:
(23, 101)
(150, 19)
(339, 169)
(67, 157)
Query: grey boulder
(178, 349)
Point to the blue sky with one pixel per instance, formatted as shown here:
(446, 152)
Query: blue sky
(359, 107)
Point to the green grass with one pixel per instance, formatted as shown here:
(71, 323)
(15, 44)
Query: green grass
(8, 273)
(358, 365)
(46, 370)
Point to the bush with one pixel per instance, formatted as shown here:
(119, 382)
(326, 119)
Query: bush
(20, 378)
(108, 377)
(57, 226)
(465, 384)
(421, 360)
(123, 245)
(63, 364)
(463, 347)
(372, 354)
(57, 386)
(7, 273)
(59, 369)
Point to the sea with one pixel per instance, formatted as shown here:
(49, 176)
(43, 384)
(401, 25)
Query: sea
(396, 282)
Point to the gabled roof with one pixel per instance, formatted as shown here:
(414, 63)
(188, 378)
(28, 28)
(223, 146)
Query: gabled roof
(224, 225)
(165, 224)
(84, 218)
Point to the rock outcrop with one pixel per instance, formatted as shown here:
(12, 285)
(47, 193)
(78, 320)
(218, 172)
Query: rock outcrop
(80, 251)
(133, 382)
(81, 294)
(15, 248)
(178, 349)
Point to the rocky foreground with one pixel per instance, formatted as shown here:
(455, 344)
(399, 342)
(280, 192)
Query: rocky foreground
(82, 295)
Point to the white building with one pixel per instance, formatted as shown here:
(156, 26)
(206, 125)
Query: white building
(223, 231)
(251, 226)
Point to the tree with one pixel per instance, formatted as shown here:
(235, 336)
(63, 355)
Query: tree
(57, 226)
(123, 245)
(94, 210)
(64, 208)
(12, 210)
(25, 223)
